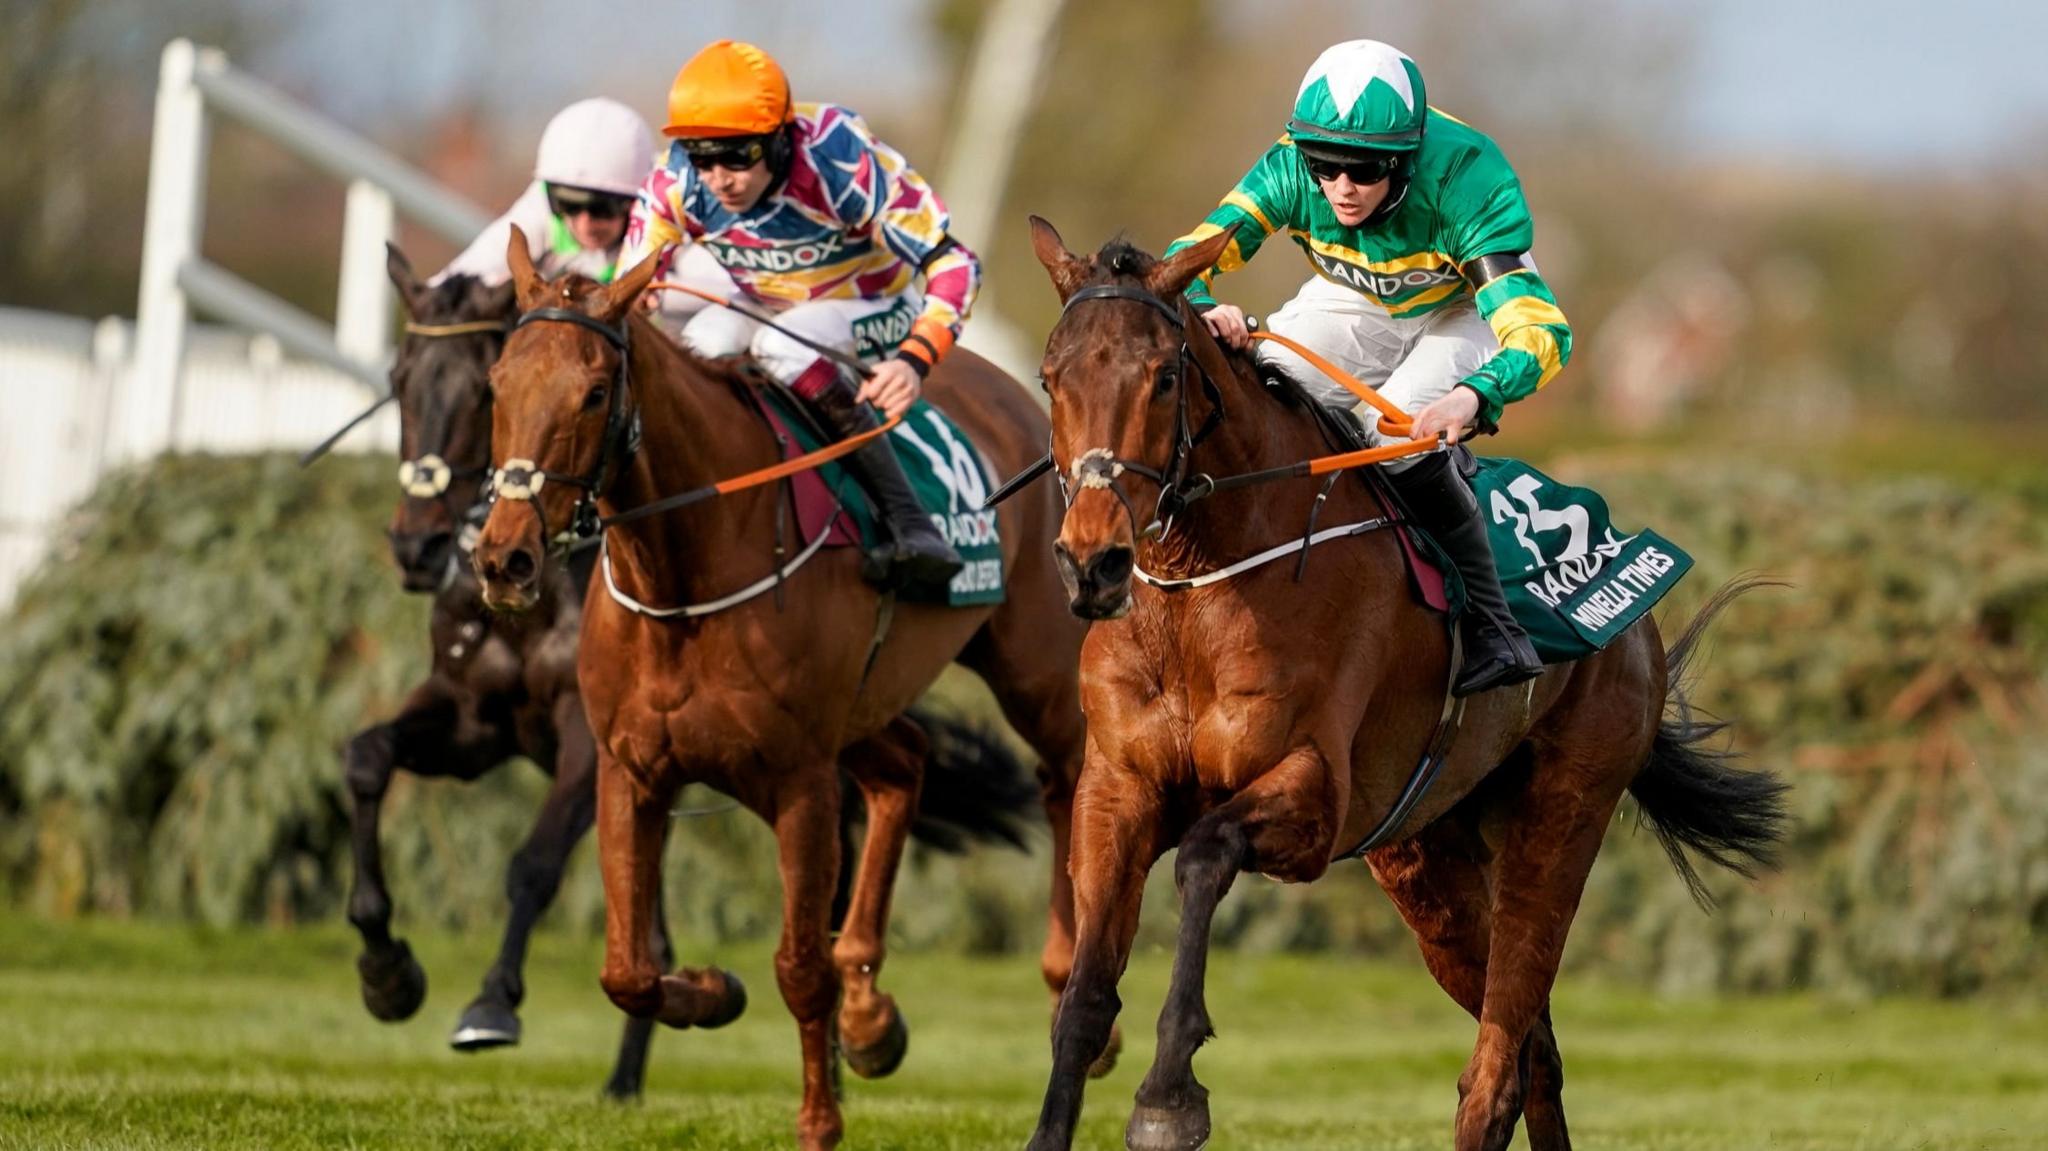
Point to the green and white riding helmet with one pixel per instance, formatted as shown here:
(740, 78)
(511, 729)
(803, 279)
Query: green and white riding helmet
(1361, 96)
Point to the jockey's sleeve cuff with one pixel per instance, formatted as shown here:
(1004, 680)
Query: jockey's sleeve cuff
(928, 342)
(1490, 403)
(917, 363)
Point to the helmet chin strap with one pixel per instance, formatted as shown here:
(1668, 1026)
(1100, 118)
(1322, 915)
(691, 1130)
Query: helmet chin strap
(1392, 203)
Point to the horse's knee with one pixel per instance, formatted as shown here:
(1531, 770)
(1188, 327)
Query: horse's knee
(533, 877)
(1210, 856)
(1056, 963)
(635, 990)
(809, 985)
(367, 763)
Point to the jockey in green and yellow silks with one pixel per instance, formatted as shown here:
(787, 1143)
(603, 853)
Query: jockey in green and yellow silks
(1423, 288)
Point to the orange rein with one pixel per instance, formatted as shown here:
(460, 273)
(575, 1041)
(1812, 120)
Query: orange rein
(789, 467)
(1393, 421)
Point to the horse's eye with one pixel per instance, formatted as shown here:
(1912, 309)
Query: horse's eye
(594, 398)
(1163, 383)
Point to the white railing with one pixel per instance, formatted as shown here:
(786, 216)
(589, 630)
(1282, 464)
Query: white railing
(82, 397)
(61, 378)
(193, 84)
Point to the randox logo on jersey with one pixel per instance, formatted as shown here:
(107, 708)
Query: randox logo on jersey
(878, 334)
(1383, 285)
(781, 257)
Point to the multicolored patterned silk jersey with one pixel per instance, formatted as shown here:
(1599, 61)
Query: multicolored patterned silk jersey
(1463, 202)
(852, 220)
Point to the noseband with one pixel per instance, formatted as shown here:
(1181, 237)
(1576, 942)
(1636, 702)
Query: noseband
(522, 479)
(1102, 468)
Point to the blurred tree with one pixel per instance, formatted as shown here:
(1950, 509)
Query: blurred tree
(76, 81)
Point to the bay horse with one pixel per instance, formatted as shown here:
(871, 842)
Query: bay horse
(1260, 724)
(500, 686)
(760, 698)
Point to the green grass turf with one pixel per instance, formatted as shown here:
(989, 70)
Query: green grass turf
(152, 1036)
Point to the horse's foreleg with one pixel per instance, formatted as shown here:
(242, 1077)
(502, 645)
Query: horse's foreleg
(889, 769)
(393, 983)
(630, 1072)
(532, 880)
(1554, 830)
(1276, 824)
(1116, 839)
(806, 820)
(632, 829)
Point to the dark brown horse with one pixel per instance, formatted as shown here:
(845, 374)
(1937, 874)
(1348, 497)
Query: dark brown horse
(500, 687)
(1268, 726)
(759, 699)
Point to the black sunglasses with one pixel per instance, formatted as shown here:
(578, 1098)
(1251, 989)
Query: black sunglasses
(732, 154)
(566, 202)
(1364, 169)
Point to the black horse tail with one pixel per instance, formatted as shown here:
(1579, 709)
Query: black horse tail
(976, 789)
(1695, 796)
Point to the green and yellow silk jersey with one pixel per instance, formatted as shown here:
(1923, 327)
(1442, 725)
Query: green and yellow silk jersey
(1463, 202)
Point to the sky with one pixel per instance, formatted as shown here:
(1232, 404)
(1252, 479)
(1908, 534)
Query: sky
(1873, 84)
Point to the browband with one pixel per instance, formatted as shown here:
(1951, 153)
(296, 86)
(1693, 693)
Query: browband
(616, 336)
(1122, 292)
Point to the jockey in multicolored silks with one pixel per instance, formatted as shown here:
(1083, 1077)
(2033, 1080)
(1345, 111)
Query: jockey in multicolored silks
(592, 157)
(1419, 236)
(821, 223)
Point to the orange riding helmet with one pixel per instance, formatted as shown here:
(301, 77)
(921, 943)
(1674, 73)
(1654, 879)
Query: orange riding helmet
(731, 88)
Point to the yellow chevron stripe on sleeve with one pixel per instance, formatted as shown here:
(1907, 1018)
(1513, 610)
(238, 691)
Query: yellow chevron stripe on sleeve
(1249, 207)
(1525, 311)
(1539, 342)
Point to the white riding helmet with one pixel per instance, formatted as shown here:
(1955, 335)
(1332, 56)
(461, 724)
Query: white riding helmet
(598, 144)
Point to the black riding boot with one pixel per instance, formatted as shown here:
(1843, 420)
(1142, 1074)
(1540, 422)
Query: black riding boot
(1497, 652)
(917, 556)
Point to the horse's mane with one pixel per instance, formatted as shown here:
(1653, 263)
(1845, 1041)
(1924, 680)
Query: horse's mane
(737, 371)
(1121, 262)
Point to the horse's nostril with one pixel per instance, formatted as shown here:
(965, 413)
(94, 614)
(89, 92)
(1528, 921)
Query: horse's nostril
(1113, 566)
(519, 565)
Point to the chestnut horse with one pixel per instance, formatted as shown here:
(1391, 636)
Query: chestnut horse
(500, 686)
(1265, 725)
(760, 698)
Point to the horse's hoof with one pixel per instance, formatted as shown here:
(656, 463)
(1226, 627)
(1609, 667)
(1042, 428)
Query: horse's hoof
(884, 1055)
(622, 1090)
(1160, 1129)
(731, 1006)
(394, 984)
(484, 1025)
(1106, 1062)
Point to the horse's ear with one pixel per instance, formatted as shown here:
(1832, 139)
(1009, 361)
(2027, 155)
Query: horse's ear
(410, 290)
(625, 291)
(1171, 276)
(1068, 270)
(527, 285)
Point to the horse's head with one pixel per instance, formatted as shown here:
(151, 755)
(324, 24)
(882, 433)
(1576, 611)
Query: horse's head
(1121, 366)
(441, 378)
(562, 419)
